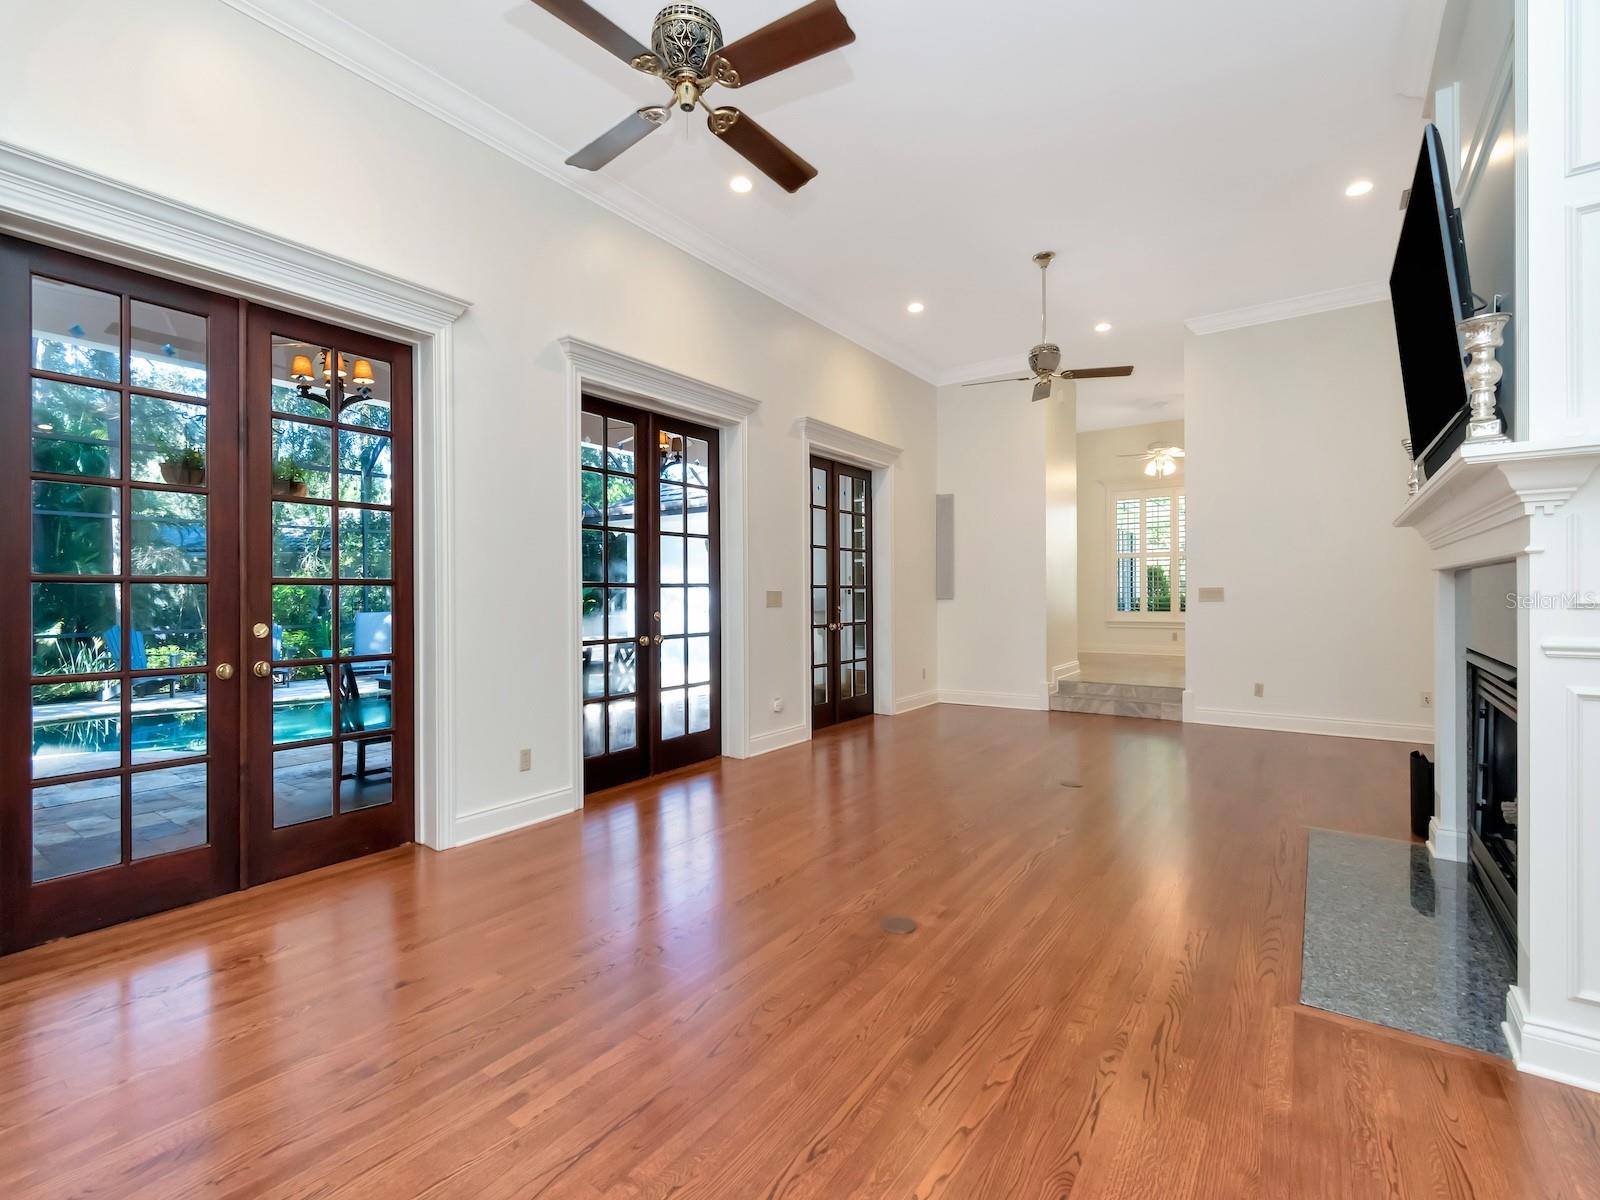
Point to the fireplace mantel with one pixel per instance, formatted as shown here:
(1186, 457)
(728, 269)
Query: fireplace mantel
(1475, 509)
(1536, 504)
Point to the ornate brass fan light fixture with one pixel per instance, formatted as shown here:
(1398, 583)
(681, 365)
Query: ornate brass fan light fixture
(1044, 360)
(687, 53)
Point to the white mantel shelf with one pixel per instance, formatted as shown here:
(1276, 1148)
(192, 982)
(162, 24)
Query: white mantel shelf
(1478, 502)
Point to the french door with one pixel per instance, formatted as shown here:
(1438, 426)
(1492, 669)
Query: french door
(650, 626)
(328, 606)
(119, 570)
(841, 592)
(205, 612)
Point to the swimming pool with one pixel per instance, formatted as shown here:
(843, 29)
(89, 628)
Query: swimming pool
(180, 733)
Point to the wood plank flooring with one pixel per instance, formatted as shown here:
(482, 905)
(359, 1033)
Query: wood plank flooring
(685, 992)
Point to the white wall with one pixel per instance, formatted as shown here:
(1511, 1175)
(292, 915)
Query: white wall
(992, 459)
(231, 121)
(1061, 554)
(1103, 469)
(1295, 475)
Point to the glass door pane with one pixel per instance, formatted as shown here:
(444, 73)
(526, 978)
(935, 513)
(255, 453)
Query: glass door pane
(841, 590)
(329, 593)
(613, 540)
(124, 597)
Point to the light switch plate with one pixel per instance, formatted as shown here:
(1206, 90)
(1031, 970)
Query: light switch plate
(774, 599)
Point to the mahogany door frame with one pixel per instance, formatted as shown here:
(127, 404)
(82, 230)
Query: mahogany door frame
(34, 912)
(651, 754)
(271, 852)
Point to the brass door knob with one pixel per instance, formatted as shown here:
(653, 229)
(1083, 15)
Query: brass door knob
(644, 639)
(658, 639)
(224, 671)
(261, 630)
(262, 670)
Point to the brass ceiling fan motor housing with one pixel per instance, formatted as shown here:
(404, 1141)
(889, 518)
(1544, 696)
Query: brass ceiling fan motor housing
(685, 42)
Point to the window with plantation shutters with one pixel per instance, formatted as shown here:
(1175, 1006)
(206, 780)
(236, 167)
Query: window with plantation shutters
(1149, 538)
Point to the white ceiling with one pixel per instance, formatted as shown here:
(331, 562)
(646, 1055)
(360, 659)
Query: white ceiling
(1183, 158)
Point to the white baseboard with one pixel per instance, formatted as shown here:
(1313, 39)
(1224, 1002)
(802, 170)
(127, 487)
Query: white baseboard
(1240, 718)
(1069, 670)
(514, 814)
(1569, 1056)
(779, 739)
(915, 701)
(1448, 844)
(1032, 701)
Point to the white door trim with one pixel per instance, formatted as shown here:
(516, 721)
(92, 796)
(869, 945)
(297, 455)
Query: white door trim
(57, 204)
(844, 445)
(611, 375)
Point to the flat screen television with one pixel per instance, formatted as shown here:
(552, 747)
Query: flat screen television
(1432, 290)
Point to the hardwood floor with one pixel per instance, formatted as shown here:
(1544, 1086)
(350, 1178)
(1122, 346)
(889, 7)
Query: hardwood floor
(685, 992)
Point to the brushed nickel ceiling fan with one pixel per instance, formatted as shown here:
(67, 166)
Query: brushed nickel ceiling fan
(687, 53)
(1044, 360)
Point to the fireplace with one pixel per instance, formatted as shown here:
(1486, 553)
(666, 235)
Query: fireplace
(1492, 786)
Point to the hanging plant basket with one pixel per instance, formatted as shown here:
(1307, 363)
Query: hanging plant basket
(177, 472)
(288, 487)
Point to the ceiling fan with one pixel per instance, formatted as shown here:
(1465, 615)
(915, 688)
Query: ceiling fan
(1160, 458)
(1044, 360)
(686, 52)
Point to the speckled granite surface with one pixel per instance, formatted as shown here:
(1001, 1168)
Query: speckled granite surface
(1397, 938)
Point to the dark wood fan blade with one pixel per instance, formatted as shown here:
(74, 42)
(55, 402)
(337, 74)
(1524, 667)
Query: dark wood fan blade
(765, 152)
(804, 34)
(630, 131)
(1097, 373)
(1041, 390)
(596, 27)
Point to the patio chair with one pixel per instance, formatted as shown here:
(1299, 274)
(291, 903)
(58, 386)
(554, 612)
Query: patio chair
(349, 694)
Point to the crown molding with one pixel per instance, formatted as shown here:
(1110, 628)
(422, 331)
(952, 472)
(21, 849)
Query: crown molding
(351, 49)
(1284, 310)
(64, 206)
(972, 372)
(843, 443)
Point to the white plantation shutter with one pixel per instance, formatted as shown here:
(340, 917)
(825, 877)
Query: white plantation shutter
(1149, 537)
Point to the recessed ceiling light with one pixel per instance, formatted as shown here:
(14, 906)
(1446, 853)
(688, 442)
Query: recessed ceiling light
(915, 307)
(740, 184)
(1359, 188)
(1103, 327)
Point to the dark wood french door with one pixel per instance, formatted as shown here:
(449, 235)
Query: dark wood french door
(841, 592)
(119, 576)
(328, 608)
(205, 618)
(650, 626)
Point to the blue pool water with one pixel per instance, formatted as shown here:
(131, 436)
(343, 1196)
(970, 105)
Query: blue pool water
(185, 733)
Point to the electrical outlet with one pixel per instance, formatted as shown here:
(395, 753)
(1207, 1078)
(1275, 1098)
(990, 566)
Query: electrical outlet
(774, 599)
(525, 760)
(777, 704)
(1261, 690)
(1427, 699)
(1174, 635)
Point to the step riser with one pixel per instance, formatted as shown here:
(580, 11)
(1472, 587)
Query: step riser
(1147, 693)
(1106, 706)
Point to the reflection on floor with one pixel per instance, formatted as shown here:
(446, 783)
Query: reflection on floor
(78, 826)
(1124, 685)
(1399, 938)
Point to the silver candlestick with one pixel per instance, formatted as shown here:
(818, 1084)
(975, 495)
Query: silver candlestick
(1482, 336)
(1414, 484)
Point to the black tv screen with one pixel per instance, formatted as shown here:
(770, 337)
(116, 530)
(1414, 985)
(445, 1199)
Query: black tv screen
(1431, 292)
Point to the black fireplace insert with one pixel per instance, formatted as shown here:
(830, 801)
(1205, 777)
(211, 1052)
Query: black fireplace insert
(1492, 786)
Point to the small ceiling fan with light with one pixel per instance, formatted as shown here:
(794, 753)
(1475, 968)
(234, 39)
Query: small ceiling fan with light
(1044, 360)
(1160, 458)
(686, 52)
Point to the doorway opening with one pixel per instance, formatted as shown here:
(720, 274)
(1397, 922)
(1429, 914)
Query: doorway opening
(650, 553)
(148, 458)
